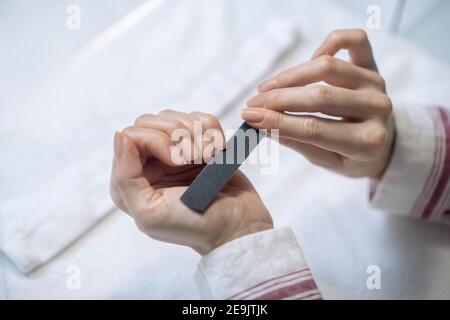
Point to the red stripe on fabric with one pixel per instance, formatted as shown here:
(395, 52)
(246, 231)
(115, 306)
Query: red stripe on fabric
(445, 172)
(318, 298)
(264, 282)
(275, 284)
(288, 291)
(421, 200)
(309, 295)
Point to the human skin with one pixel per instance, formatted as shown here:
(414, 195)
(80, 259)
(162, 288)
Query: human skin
(358, 140)
(147, 184)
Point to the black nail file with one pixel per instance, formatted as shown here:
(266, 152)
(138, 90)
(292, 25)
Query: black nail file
(221, 168)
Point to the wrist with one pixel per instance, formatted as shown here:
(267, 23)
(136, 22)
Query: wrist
(255, 227)
(225, 237)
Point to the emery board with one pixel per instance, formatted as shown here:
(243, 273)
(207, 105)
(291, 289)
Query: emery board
(221, 168)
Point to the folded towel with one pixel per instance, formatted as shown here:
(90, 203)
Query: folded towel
(57, 139)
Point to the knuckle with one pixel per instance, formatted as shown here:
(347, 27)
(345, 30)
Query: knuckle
(211, 121)
(311, 127)
(175, 124)
(386, 106)
(323, 95)
(335, 36)
(361, 36)
(380, 82)
(274, 97)
(165, 112)
(142, 118)
(129, 130)
(283, 79)
(373, 141)
(198, 114)
(207, 120)
(327, 63)
(278, 121)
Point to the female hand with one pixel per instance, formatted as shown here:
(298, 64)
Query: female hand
(147, 183)
(357, 139)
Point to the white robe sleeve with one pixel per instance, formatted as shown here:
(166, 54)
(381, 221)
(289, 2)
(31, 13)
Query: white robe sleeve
(266, 265)
(416, 183)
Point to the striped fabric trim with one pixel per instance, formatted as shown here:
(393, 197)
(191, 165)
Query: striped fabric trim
(310, 295)
(267, 282)
(430, 183)
(442, 213)
(443, 184)
(442, 205)
(295, 285)
(303, 286)
(440, 173)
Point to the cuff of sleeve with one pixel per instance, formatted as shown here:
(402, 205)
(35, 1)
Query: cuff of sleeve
(410, 182)
(256, 266)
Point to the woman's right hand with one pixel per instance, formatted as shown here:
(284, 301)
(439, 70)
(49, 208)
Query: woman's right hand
(148, 180)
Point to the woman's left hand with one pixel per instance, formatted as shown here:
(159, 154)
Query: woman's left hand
(358, 140)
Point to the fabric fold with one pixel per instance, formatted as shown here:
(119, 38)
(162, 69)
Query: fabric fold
(57, 139)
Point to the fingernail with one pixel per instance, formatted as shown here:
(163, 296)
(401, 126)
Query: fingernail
(256, 101)
(252, 115)
(268, 85)
(118, 144)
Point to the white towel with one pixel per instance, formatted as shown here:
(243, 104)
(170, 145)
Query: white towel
(56, 140)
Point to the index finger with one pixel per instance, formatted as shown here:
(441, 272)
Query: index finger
(355, 41)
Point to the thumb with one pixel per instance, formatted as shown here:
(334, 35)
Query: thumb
(127, 180)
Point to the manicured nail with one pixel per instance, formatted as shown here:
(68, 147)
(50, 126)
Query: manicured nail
(252, 115)
(118, 144)
(257, 101)
(268, 85)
